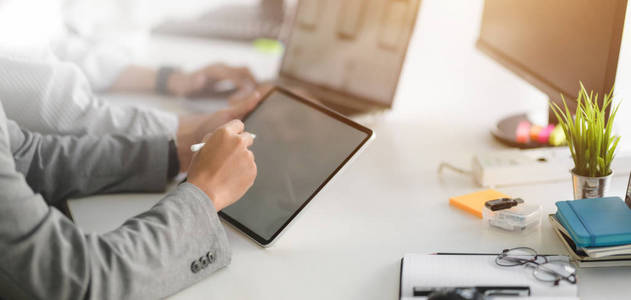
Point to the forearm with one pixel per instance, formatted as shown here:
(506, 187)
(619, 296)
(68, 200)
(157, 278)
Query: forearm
(150, 256)
(139, 79)
(56, 98)
(135, 79)
(45, 256)
(59, 167)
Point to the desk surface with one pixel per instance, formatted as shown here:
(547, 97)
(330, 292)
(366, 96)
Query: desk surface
(348, 242)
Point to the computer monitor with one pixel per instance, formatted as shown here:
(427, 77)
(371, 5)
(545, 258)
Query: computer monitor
(554, 44)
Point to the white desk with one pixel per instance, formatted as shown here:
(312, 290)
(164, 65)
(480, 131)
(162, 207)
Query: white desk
(348, 242)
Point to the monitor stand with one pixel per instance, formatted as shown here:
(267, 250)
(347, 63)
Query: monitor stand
(505, 130)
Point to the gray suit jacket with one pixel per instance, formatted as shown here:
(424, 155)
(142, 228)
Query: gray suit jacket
(43, 255)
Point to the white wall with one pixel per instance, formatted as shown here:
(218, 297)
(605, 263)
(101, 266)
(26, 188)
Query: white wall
(444, 43)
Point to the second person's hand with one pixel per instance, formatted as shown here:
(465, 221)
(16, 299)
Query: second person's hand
(197, 83)
(193, 128)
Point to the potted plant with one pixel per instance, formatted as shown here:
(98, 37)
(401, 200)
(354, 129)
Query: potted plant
(591, 141)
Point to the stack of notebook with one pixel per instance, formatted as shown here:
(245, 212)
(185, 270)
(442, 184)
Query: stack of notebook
(597, 232)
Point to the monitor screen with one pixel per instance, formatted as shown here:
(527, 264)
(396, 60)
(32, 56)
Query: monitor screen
(297, 149)
(554, 44)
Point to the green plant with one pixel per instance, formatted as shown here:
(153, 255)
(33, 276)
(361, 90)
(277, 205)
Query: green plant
(588, 134)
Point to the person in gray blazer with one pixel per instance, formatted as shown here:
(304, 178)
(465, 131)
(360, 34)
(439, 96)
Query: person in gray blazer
(176, 243)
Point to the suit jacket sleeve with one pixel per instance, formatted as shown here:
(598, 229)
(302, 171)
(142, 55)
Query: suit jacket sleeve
(61, 167)
(44, 256)
(54, 97)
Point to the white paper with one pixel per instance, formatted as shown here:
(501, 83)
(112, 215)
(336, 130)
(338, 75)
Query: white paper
(475, 270)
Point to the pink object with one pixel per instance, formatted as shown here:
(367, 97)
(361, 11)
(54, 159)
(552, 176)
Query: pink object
(522, 134)
(544, 135)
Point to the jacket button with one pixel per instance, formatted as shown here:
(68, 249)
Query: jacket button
(211, 257)
(195, 267)
(204, 261)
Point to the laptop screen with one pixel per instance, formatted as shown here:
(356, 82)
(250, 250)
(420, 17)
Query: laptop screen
(353, 47)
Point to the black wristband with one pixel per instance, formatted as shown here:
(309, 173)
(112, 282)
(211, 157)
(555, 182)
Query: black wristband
(174, 162)
(162, 79)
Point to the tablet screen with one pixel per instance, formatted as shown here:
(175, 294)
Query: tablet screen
(299, 146)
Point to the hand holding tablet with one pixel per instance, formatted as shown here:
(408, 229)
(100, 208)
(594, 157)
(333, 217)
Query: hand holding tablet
(225, 169)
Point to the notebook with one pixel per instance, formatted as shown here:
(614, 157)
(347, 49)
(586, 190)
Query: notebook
(584, 259)
(594, 252)
(596, 222)
(431, 270)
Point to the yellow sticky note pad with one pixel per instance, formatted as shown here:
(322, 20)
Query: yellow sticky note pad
(474, 202)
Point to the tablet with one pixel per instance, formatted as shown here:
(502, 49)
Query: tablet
(299, 147)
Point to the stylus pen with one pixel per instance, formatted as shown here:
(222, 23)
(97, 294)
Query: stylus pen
(199, 146)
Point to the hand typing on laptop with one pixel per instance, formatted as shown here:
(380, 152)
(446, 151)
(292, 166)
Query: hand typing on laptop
(209, 79)
(194, 128)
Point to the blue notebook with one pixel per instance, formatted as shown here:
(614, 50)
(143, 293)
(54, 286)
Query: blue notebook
(596, 222)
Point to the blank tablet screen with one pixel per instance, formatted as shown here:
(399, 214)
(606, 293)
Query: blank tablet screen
(298, 148)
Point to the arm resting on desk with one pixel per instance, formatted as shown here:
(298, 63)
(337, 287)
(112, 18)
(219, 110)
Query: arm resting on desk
(59, 167)
(151, 256)
(44, 256)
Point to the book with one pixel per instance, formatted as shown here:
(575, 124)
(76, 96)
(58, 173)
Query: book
(594, 252)
(598, 252)
(580, 257)
(474, 203)
(596, 222)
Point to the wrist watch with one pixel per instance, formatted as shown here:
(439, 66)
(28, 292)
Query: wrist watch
(162, 79)
(173, 161)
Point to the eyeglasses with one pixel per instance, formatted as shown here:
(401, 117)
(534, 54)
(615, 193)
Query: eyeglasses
(544, 270)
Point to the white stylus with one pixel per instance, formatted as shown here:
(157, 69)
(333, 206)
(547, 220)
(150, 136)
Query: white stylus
(199, 146)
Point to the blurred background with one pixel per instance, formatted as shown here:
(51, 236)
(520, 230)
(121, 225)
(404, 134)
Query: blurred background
(442, 49)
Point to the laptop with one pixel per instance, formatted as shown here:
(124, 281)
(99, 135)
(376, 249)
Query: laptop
(627, 197)
(349, 54)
